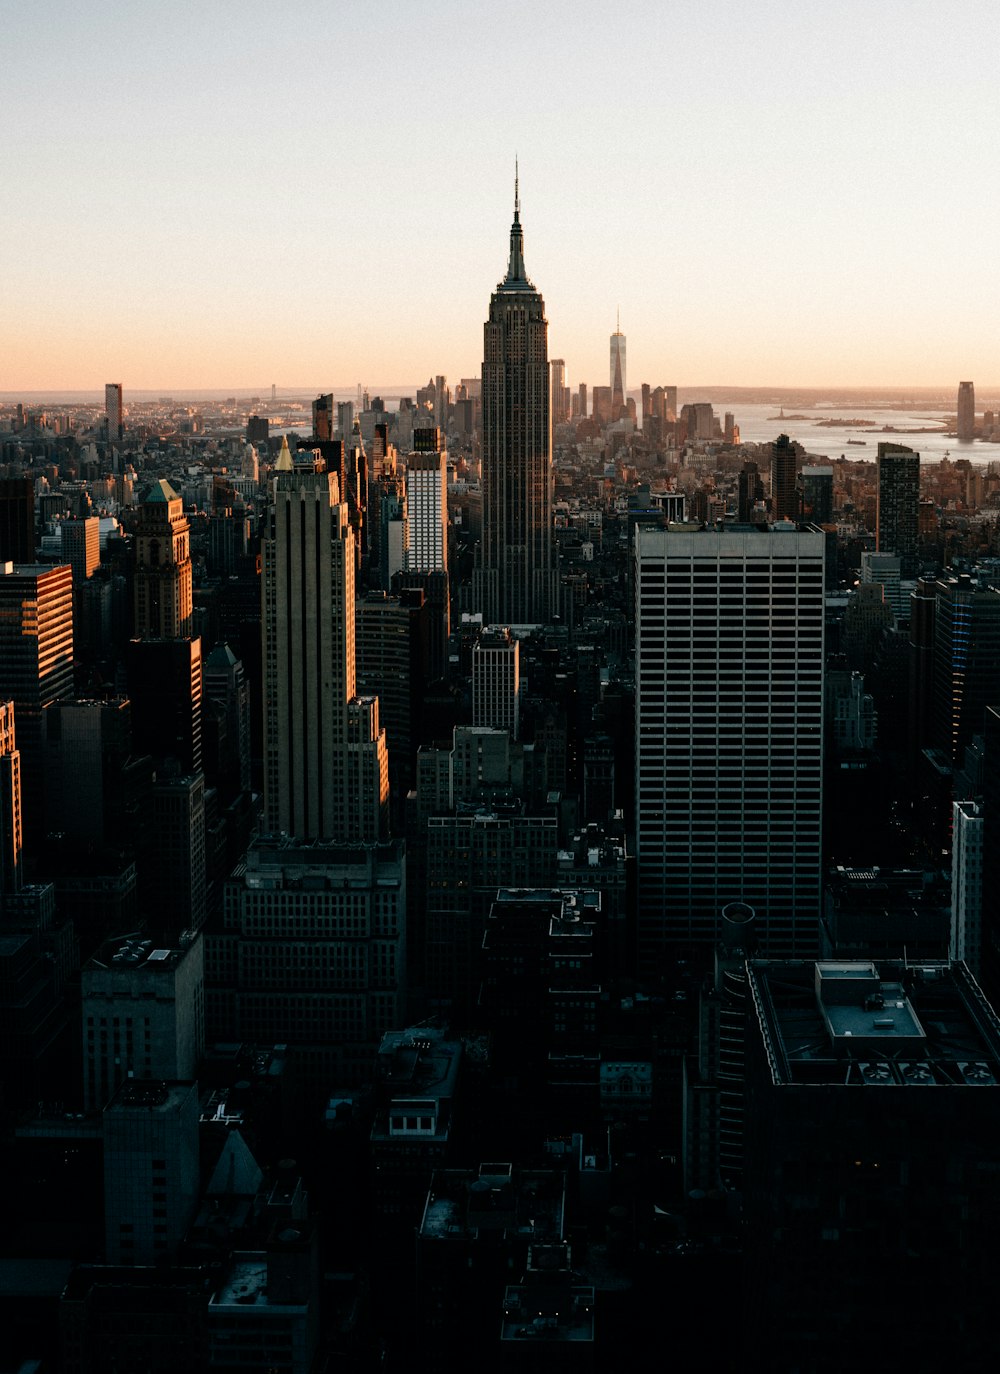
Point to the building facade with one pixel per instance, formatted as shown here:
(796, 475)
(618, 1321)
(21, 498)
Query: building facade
(496, 681)
(898, 480)
(729, 740)
(427, 504)
(309, 668)
(312, 954)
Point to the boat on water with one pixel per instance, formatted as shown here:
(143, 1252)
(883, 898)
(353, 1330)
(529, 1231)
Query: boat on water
(858, 443)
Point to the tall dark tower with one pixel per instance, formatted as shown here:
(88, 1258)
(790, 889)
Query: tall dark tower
(784, 496)
(514, 581)
(17, 520)
(897, 528)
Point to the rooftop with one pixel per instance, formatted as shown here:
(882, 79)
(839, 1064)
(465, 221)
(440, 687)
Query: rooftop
(496, 1198)
(889, 1023)
(133, 952)
(548, 1311)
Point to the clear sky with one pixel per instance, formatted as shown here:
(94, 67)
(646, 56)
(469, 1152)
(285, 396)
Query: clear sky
(215, 193)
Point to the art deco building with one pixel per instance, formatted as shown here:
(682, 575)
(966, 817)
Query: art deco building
(163, 598)
(314, 731)
(514, 582)
(729, 745)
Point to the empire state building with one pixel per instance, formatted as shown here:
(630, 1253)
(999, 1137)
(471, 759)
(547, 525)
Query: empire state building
(515, 579)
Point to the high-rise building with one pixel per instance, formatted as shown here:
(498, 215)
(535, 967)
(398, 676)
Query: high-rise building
(966, 428)
(143, 1015)
(750, 491)
(225, 685)
(322, 418)
(325, 973)
(114, 411)
(558, 373)
(966, 941)
(81, 546)
(309, 669)
(87, 747)
(10, 805)
(496, 681)
(427, 503)
(164, 679)
(966, 661)
(17, 520)
(617, 373)
(784, 495)
(150, 1169)
(817, 494)
(897, 471)
(163, 596)
(729, 741)
(258, 429)
(36, 666)
(174, 879)
(872, 1111)
(515, 579)
(391, 654)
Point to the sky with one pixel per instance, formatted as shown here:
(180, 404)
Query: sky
(234, 193)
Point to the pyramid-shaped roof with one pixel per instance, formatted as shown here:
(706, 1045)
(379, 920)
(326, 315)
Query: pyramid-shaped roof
(237, 1173)
(160, 491)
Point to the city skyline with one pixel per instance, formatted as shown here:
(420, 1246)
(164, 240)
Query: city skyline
(157, 235)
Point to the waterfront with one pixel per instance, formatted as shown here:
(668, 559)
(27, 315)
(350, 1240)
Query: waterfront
(758, 426)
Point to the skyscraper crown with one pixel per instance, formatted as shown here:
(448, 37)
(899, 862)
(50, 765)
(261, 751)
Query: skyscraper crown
(517, 278)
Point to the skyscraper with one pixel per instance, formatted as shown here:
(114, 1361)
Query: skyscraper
(966, 412)
(784, 494)
(729, 742)
(817, 494)
(617, 373)
(10, 805)
(309, 674)
(36, 665)
(559, 393)
(898, 479)
(496, 680)
(966, 665)
(81, 546)
(17, 520)
(322, 416)
(114, 412)
(514, 581)
(427, 503)
(163, 596)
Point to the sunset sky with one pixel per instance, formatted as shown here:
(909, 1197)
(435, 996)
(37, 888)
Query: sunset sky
(232, 193)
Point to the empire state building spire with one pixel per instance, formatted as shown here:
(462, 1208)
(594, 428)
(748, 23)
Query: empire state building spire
(514, 582)
(516, 278)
